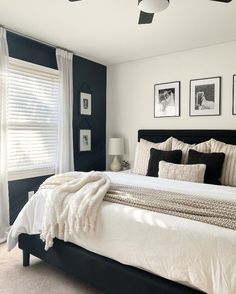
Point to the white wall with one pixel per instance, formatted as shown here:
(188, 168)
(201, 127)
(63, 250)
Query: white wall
(130, 93)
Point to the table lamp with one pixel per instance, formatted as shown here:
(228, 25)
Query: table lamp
(116, 148)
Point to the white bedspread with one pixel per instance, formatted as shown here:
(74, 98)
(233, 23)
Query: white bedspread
(189, 252)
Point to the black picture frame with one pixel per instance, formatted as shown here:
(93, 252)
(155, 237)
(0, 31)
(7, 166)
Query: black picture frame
(201, 83)
(174, 89)
(234, 96)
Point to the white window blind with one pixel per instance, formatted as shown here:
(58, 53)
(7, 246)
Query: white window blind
(33, 94)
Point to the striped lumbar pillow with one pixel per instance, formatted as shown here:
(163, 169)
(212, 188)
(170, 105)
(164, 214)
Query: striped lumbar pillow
(228, 177)
(185, 147)
(142, 154)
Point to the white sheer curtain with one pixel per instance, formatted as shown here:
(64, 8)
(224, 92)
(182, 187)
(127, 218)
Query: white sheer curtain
(65, 160)
(4, 200)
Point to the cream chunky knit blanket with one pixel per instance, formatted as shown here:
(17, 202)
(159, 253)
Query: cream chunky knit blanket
(72, 204)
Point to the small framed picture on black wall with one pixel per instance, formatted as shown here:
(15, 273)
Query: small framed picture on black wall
(205, 97)
(85, 140)
(85, 103)
(234, 94)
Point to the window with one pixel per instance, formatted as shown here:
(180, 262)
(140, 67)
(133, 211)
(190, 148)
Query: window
(33, 98)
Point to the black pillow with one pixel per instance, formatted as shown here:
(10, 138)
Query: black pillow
(213, 161)
(157, 155)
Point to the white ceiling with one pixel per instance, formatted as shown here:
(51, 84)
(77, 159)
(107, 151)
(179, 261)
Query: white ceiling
(106, 31)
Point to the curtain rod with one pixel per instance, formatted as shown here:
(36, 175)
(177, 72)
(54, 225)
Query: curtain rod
(34, 39)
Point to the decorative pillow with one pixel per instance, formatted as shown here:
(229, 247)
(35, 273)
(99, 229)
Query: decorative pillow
(157, 155)
(136, 154)
(142, 154)
(228, 177)
(214, 163)
(182, 172)
(185, 147)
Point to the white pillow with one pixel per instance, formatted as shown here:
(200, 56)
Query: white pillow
(136, 154)
(228, 177)
(182, 172)
(142, 154)
(185, 147)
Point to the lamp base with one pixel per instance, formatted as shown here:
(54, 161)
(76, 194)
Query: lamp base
(115, 165)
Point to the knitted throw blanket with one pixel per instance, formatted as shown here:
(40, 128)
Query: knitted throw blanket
(72, 203)
(221, 213)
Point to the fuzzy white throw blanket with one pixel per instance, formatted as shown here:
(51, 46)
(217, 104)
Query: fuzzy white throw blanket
(72, 204)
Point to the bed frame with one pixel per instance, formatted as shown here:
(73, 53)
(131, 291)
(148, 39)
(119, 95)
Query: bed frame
(106, 274)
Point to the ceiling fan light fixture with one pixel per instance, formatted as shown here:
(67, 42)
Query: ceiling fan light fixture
(153, 6)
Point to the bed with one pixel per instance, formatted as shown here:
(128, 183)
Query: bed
(112, 275)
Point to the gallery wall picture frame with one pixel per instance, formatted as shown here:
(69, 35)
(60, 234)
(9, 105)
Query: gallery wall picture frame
(167, 99)
(205, 97)
(85, 103)
(85, 140)
(234, 95)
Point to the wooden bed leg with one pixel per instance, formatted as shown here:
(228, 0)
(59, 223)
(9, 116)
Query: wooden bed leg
(26, 258)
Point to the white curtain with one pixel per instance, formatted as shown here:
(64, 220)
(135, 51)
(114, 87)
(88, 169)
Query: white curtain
(65, 159)
(4, 200)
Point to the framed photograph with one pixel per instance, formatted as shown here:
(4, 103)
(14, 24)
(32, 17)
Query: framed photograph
(205, 97)
(234, 94)
(167, 99)
(85, 140)
(85, 103)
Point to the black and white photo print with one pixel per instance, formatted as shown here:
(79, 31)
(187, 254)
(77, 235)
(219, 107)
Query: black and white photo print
(85, 140)
(85, 104)
(167, 99)
(205, 96)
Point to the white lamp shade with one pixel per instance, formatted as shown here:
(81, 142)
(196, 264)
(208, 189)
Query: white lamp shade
(116, 146)
(153, 6)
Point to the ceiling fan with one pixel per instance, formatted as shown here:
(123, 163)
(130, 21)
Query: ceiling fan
(149, 7)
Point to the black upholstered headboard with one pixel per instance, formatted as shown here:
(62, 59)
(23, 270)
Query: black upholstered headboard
(188, 136)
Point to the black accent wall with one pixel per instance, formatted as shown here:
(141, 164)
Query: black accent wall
(31, 51)
(89, 77)
(18, 194)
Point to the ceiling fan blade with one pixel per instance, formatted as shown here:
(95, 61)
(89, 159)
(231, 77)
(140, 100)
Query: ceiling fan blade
(224, 1)
(74, 0)
(145, 18)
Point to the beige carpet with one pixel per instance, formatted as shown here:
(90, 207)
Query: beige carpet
(38, 278)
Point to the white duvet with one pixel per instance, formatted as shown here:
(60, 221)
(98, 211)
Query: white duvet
(196, 254)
